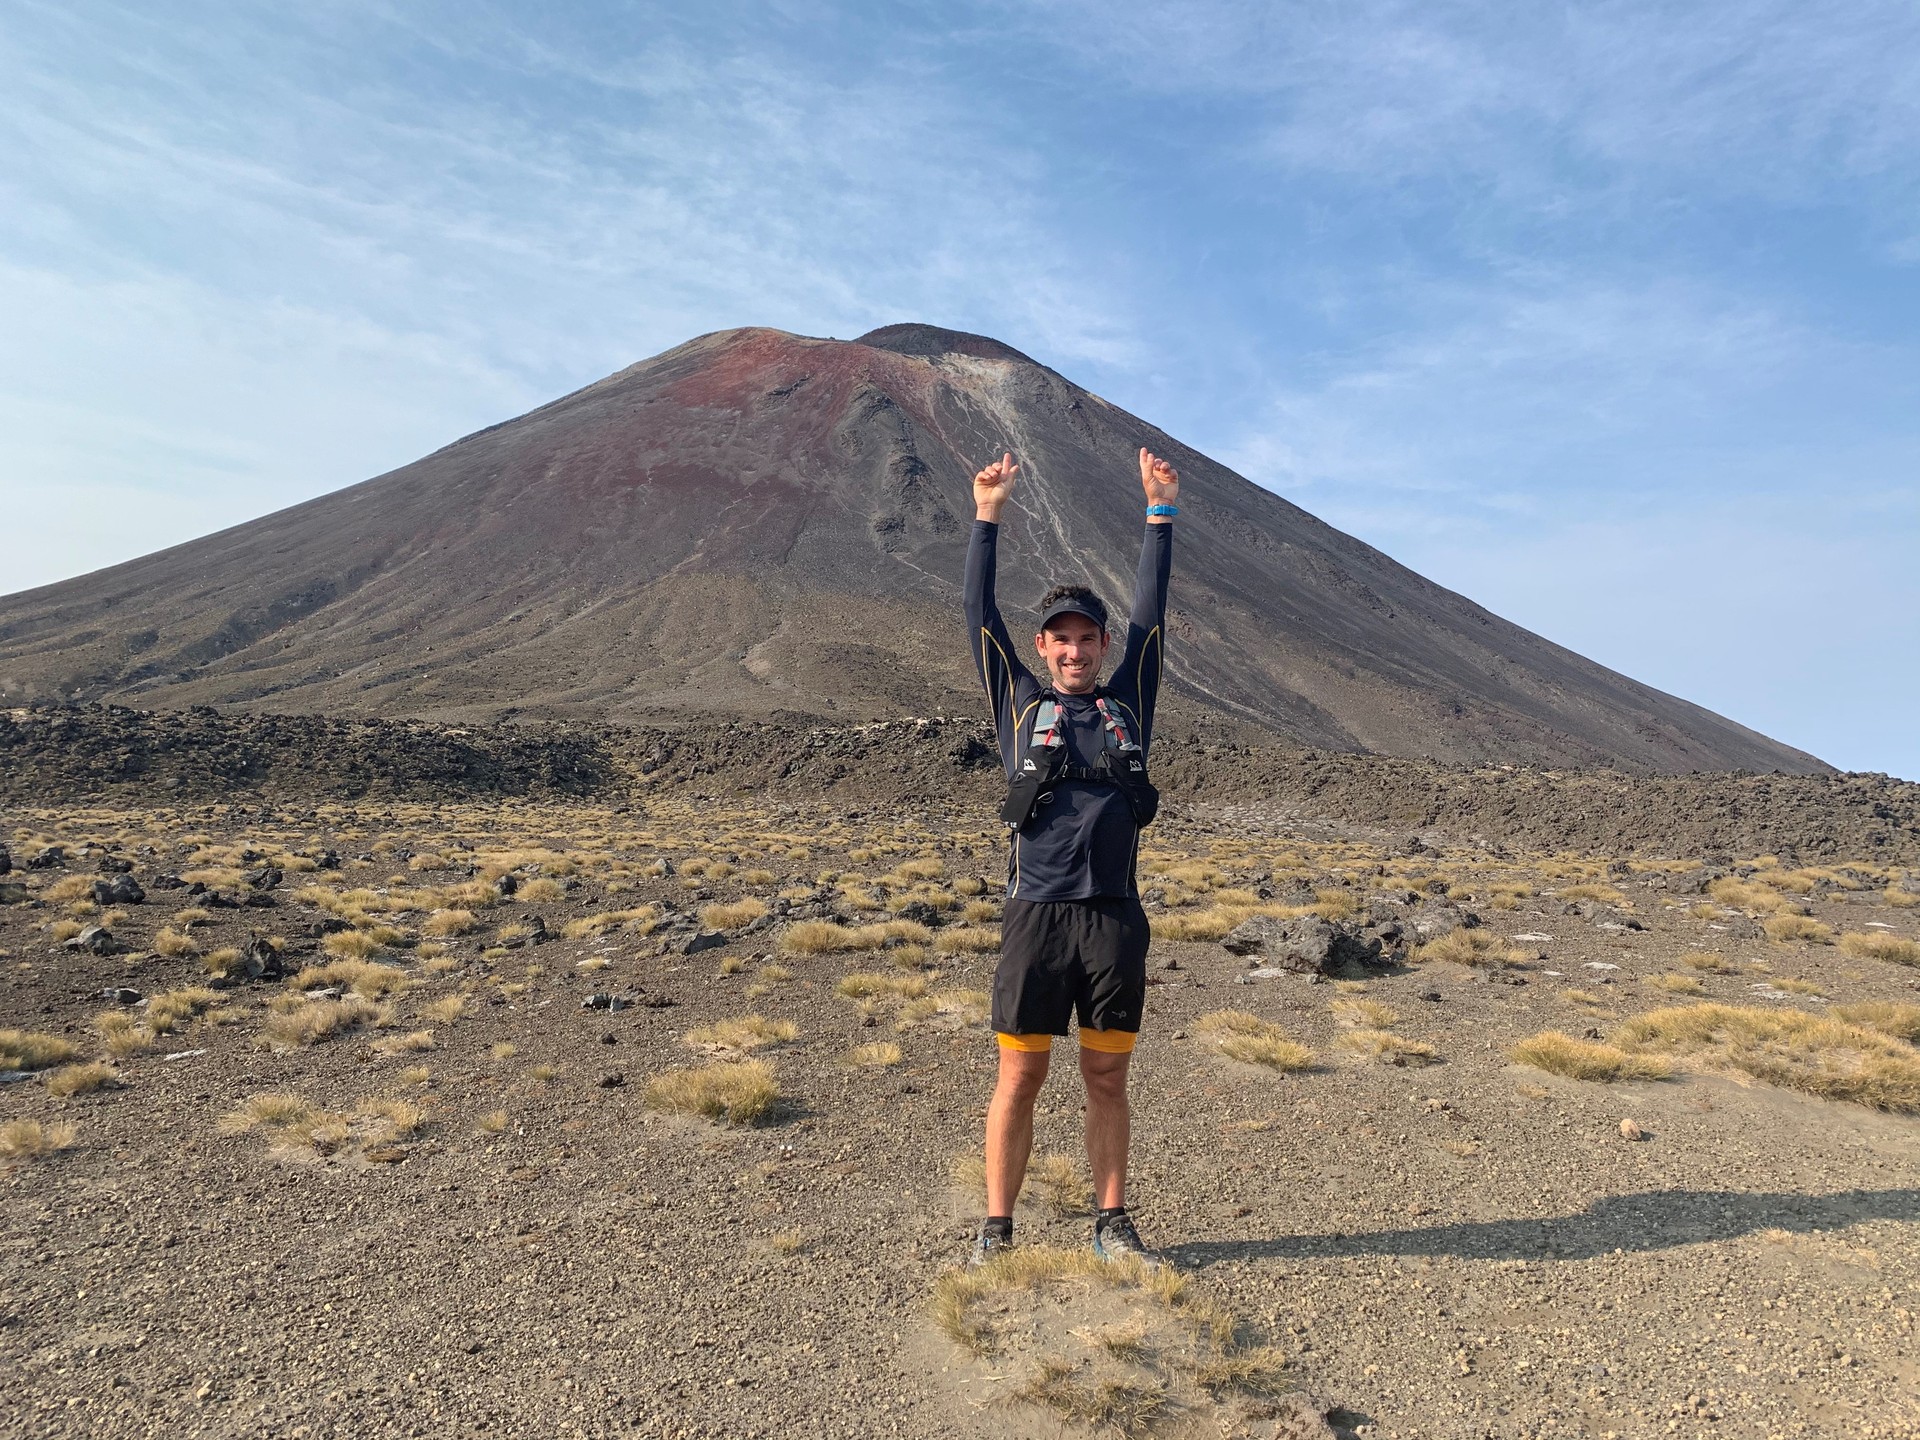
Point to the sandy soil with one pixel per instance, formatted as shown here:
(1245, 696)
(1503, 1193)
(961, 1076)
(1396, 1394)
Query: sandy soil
(1461, 1249)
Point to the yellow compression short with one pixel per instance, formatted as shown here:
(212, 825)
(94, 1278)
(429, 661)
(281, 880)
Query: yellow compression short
(1107, 1042)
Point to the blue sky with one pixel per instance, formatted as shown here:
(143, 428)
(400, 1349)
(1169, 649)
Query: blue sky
(1605, 315)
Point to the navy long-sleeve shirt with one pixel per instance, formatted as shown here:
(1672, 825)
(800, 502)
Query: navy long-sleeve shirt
(1081, 842)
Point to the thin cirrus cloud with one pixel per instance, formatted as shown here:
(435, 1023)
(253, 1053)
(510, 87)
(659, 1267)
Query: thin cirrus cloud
(1600, 314)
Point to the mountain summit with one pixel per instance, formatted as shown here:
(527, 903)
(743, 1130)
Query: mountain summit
(758, 522)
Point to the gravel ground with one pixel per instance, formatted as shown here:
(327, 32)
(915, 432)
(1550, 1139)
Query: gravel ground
(1465, 1249)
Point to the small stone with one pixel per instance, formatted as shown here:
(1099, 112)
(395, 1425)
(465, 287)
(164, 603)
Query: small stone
(1433, 995)
(702, 940)
(612, 1080)
(609, 1039)
(1630, 1130)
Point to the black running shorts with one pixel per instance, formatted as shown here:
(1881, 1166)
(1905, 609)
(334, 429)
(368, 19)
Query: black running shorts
(1062, 956)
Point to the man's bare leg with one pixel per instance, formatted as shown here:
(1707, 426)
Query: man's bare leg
(1109, 1126)
(1010, 1125)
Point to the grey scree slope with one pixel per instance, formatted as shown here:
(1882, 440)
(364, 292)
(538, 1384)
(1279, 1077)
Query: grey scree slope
(757, 522)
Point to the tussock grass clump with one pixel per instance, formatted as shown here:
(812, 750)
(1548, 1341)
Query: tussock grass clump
(742, 1034)
(1707, 962)
(399, 1119)
(1208, 924)
(82, 1079)
(445, 1010)
(1754, 899)
(740, 1092)
(641, 918)
(493, 1122)
(33, 1050)
(449, 922)
(351, 945)
(1788, 928)
(1604, 894)
(274, 1110)
(732, 916)
(1794, 1049)
(967, 1007)
(1558, 1053)
(366, 979)
(541, 890)
(966, 940)
(1678, 984)
(121, 1035)
(1241, 1035)
(1060, 1185)
(1900, 899)
(1474, 947)
(31, 1140)
(1889, 1017)
(1795, 986)
(1124, 1407)
(174, 944)
(874, 1056)
(311, 1022)
(168, 1012)
(1864, 946)
(411, 1043)
(191, 916)
(1369, 1013)
(1386, 1046)
(867, 985)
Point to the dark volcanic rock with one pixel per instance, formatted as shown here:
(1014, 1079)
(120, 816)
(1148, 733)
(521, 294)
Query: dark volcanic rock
(120, 890)
(1305, 944)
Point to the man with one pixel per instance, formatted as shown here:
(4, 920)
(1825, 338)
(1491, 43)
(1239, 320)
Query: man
(1075, 937)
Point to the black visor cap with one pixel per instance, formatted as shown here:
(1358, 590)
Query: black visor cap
(1091, 609)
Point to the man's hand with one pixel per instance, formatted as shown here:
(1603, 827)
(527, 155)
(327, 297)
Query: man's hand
(1160, 480)
(990, 488)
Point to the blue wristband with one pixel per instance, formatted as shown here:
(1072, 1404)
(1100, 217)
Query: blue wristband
(1163, 509)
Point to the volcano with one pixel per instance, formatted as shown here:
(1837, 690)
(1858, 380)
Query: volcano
(760, 523)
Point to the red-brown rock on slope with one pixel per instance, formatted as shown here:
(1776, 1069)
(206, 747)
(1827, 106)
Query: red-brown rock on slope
(757, 521)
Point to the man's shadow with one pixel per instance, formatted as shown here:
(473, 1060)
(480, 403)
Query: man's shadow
(1650, 1220)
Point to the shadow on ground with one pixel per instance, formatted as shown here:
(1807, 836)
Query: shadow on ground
(1650, 1220)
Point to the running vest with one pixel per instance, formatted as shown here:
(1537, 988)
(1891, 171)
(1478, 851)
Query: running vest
(1044, 765)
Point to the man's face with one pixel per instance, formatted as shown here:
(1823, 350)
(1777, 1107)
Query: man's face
(1074, 649)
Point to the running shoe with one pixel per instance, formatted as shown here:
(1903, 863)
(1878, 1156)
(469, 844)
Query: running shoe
(987, 1245)
(1114, 1238)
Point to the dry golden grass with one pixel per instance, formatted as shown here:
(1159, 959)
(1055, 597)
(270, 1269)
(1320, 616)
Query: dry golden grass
(414, 1075)
(1816, 1054)
(1794, 986)
(310, 1022)
(411, 1043)
(399, 1119)
(867, 985)
(1900, 899)
(541, 890)
(1476, 947)
(742, 1034)
(876, 1055)
(1123, 1407)
(445, 1010)
(980, 912)
(174, 944)
(1368, 1013)
(191, 916)
(1582, 997)
(1889, 1017)
(1787, 928)
(168, 1012)
(493, 1122)
(82, 1079)
(61, 931)
(1754, 899)
(1208, 924)
(968, 1007)
(1385, 1046)
(364, 978)
(741, 1092)
(1059, 1184)
(1865, 946)
(966, 940)
(121, 1035)
(970, 885)
(1678, 984)
(273, 1110)
(1706, 961)
(1558, 1053)
(33, 1050)
(732, 916)
(1241, 1035)
(31, 1140)
(758, 877)
(1605, 894)
(449, 922)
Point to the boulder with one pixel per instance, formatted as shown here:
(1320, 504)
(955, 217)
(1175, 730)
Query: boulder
(702, 940)
(120, 890)
(919, 911)
(114, 865)
(260, 960)
(97, 940)
(1435, 916)
(1304, 944)
(12, 892)
(49, 858)
(6, 861)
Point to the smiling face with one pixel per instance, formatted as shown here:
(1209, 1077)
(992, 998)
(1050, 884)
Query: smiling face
(1074, 649)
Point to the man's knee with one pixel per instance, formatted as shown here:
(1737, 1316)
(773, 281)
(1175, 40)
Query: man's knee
(1023, 1067)
(1104, 1070)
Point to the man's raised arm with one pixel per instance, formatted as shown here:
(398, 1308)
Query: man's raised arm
(1137, 678)
(994, 656)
